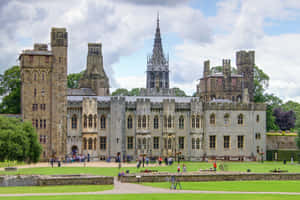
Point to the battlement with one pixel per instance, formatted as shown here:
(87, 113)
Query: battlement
(118, 99)
(245, 57)
(94, 49)
(40, 47)
(235, 106)
(59, 37)
(225, 62)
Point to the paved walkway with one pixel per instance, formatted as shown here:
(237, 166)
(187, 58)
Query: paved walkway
(129, 188)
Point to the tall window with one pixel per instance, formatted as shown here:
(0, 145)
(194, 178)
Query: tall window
(37, 123)
(240, 141)
(139, 122)
(257, 118)
(103, 122)
(155, 142)
(90, 143)
(257, 136)
(240, 119)
(130, 142)
(198, 122)
(102, 143)
(169, 121)
(226, 142)
(181, 122)
(34, 92)
(45, 123)
(193, 143)
(212, 141)
(165, 122)
(212, 119)
(198, 143)
(41, 123)
(90, 121)
(181, 142)
(129, 122)
(169, 143)
(144, 121)
(193, 121)
(95, 121)
(95, 143)
(84, 143)
(139, 143)
(74, 121)
(226, 119)
(155, 122)
(84, 121)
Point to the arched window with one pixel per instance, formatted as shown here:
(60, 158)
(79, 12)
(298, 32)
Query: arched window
(84, 143)
(103, 122)
(155, 122)
(181, 122)
(74, 121)
(90, 143)
(129, 122)
(144, 121)
(169, 121)
(240, 119)
(198, 122)
(212, 119)
(193, 121)
(95, 143)
(139, 122)
(95, 121)
(198, 143)
(84, 121)
(226, 119)
(90, 121)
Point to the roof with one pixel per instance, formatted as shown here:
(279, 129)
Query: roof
(80, 92)
(134, 98)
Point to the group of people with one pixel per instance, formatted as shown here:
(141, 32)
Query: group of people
(183, 168)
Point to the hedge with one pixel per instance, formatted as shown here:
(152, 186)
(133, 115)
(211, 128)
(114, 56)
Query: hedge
(283, 154)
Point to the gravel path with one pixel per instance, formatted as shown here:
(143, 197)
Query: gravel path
(129, 188)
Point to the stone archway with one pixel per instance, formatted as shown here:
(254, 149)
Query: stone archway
(74, 150)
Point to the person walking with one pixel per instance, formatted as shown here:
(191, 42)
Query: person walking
(215, 166)
(178, 168)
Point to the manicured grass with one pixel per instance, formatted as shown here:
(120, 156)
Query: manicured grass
(243, 186)
(191, 166)
(161, 197)
(54, 189)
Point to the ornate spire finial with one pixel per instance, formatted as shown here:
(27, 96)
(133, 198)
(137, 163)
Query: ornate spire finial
(157, 19)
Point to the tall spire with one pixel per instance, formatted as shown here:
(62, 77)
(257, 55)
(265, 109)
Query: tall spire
(157, 52)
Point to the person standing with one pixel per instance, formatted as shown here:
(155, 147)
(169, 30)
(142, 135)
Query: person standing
(178, 168)
(215, 166)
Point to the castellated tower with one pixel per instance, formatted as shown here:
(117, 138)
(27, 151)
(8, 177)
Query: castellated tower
(227, 77)
(58, 106)
(245, 61)
(94, 76)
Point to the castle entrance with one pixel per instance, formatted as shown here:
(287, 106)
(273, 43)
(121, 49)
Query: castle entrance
(74, 150)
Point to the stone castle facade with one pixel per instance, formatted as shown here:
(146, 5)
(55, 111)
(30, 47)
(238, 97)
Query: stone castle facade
(87, 120)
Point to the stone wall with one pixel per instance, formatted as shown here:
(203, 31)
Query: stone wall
(215, 176)
(38, 180)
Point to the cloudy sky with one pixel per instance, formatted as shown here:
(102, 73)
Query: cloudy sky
(192, 31)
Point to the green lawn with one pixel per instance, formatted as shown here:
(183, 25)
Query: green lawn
(243, 186)
(161, 197)
(54, 189)
(191, 166)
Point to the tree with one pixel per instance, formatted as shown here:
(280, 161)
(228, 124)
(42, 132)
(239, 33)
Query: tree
(179, 92)
(73, 79)
(298, 139)
(120, 92)
(261, 83)
(291, 105)
(285, 120)
(10, 88)
(18, 141)
(135, 92)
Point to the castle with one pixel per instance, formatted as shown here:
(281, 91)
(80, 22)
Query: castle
(221, 122)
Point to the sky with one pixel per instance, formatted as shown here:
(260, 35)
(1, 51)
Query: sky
(192, 31)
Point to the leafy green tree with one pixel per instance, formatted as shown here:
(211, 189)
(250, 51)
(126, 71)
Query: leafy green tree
(298, 139)
(261, 83)
(73, 79)
(18, 141)
(295, 106)
(179, 92)
(134, 92)
(10, 88)
(120, 92)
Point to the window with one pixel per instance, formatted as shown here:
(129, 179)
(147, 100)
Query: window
(193, 143)
(85, 121)
(139, 143)
(34, 92)
(169, 143)
(155, 142)
(226, 142)
(144, 143)
(181, 142)
(198, 122)
(139, 122)
(212, 141)
(257, 118)
(155, 122)
(36, 123)
(44, 123)
(43, 139)
(181, 122)
(257, 149)
(165, 122)
(165, 143)
(144, 121)
(193, 122)
(90, 121)
(33, 122)
(95, 143)
(90, 144)
(47, 59)
(198, 143)
(240, 141)
(43, 92)
(130, 142)
(240, 119)
(226, 119)
(212, 119)
(169, 121)
(257, 136)
(41, 123)
(95, 121)
(129, 122)
(74, 122)
(84, 143)
(103, 122)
